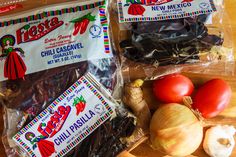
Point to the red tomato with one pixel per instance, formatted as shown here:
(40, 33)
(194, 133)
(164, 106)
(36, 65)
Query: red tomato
(172, 88)
(212, 98)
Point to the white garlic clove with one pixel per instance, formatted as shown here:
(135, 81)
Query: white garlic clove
(219, 141)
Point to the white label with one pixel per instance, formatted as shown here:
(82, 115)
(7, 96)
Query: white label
(157, 10)
(66, 122)
(60, 36)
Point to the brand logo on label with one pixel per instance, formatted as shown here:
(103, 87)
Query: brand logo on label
(30, 33)
(55, 123)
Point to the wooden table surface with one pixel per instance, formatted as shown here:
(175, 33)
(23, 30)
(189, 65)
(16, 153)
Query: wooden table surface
(231, 13)
(231, 10)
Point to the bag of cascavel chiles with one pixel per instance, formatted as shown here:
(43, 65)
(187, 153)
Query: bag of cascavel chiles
(45, 50)
(173, 35)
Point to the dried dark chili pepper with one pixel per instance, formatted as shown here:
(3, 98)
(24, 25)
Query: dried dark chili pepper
(41, 88)
(105, 140)
(169, 42)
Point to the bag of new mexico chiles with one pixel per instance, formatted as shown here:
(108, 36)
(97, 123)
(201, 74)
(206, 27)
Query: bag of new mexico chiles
(173, 35)
(46, 50)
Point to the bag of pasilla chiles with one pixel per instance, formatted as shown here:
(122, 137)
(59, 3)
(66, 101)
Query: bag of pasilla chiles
(44, 52)
(82, 121)
(163, 33)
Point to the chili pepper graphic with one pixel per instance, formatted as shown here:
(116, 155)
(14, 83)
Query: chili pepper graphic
(80, 104)
(84, 26)
(77, 28)
(80, 108)
(83, 106)
(77, 110)
(136, 9)
(81, 24)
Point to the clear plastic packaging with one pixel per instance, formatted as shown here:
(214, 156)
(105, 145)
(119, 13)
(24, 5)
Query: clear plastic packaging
(29, 94)
(189, 44)
(120, 125)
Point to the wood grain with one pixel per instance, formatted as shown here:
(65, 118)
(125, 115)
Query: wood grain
(228, 116)
(230, 8)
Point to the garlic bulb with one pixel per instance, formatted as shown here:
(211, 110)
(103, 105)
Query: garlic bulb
(219, 141)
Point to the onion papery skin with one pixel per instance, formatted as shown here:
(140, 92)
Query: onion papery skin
(175, 130)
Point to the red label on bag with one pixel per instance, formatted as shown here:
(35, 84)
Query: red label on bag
(10, 8)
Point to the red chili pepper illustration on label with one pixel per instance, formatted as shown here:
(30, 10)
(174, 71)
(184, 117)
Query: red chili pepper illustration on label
(136, 9)
(84, 26)
(77, 28)
(80, 104)
(80, 108)
(45, 147)
(81, 24)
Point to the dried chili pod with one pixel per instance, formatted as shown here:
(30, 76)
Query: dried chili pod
(169, 42)
(108, 135)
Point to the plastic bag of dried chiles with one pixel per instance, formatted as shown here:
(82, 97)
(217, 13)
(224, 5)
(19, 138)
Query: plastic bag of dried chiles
(57, 68)
(173, 35)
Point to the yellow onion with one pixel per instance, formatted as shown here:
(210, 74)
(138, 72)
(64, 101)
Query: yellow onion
(175, 130)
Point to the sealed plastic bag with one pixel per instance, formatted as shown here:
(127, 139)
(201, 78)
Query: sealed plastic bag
(83, 121)
(178, 33)
(46, 50)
